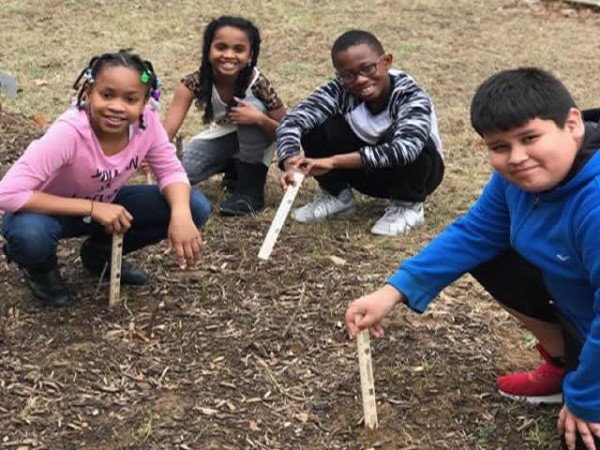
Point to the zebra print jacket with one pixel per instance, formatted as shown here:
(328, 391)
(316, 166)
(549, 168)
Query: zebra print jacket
(410, 109)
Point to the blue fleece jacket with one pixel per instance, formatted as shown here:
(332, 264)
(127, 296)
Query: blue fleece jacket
(557, 231)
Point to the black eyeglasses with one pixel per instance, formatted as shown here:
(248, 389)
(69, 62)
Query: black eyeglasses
(368, 70)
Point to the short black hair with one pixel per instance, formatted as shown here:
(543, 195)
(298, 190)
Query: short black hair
(351, 38)
(511, 98)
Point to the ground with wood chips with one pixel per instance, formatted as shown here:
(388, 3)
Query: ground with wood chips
(242, 354)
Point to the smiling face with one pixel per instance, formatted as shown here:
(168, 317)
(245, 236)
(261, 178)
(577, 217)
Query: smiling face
(230, 51)
(364, 72)
(538, 155)
(116, 99)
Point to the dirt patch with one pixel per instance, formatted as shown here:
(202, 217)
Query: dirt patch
(242, 354)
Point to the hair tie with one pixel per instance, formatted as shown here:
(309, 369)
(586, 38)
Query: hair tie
(87, 76)
(146, 76)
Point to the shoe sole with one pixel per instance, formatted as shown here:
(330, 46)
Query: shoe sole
(343, 213)
(554, 399)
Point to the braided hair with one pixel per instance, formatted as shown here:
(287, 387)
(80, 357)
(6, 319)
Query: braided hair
(204, 92)
(123, 58)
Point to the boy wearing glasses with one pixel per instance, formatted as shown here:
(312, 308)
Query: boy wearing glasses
(372, 129)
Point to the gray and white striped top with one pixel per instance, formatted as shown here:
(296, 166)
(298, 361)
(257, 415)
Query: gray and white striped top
(410, 114)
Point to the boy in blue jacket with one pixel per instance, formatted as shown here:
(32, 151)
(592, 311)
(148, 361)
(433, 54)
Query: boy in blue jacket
(532, 240)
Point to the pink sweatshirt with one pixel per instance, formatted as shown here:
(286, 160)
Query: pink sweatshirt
(68, 161)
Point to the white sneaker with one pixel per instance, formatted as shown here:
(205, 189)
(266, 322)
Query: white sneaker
(325, 206)
(398, 218)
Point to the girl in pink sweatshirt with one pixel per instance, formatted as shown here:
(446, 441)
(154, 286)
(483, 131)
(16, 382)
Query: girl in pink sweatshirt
(71, 182)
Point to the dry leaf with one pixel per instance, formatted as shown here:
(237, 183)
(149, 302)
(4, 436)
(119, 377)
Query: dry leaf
(337, 260)
(38, 120)
(301, 417)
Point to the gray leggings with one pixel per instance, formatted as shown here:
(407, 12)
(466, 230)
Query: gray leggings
(203, 158)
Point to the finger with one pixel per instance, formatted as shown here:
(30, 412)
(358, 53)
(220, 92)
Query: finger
(124, 224)
(287, 180)
(115, 226)
(350, 325)
(180, 255)
(190, 257)
(561, 421)
(570, 434)
(197, 247)
(291, 180)
(595, 427)
(586, 436)
(377, 331)
(295, 161)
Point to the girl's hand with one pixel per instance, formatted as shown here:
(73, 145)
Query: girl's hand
(372, 308)
(316, 166)
(185, 239)
(569, 425)
(245, 113)
(114, 218)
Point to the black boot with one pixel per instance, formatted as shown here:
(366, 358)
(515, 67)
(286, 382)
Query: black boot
(230, 177)
(249, 196)
(96, 254)
(47, 286)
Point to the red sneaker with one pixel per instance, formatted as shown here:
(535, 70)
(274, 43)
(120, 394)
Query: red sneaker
(540, 386)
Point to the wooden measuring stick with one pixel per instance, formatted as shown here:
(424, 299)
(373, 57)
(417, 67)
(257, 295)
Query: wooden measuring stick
(280, 216)
(115, 270)
(367, 383)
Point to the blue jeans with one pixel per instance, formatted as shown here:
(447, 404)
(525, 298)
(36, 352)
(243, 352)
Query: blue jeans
(32, 238)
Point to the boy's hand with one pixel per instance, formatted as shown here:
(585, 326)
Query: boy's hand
(185, 239)
(372, 308)
(569, 425)
(245, 113)
(290, 165)
(114, 218)
(316, 166)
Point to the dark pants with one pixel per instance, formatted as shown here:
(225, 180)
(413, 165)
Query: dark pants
(519, 285)
(412, 183)
(32, 238)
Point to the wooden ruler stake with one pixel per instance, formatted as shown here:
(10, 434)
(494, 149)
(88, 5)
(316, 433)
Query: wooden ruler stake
(367, 383)
(280, 216)
(115, 270)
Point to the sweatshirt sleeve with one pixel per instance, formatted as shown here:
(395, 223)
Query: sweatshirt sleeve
(483, 233)
(324, 103)
(582, 386)
(161, 155)
(39, 163)
(411, 111)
